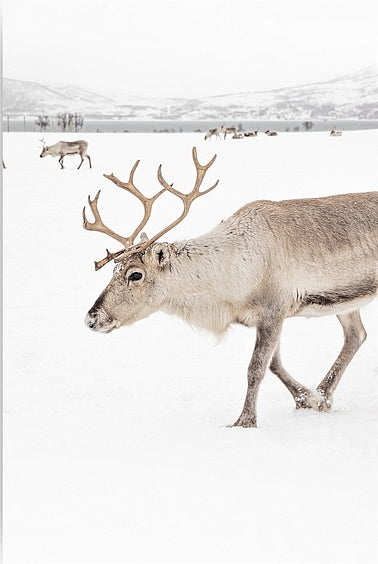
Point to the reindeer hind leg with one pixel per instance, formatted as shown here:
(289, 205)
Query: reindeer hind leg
(303, 397)
(354, 336)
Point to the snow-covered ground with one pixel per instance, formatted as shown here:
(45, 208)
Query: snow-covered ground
(116, 446)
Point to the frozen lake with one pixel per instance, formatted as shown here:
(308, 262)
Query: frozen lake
(116, 447)
(171, 126)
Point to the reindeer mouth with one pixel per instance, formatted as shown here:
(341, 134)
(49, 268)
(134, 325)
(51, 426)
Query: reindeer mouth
(94, 322)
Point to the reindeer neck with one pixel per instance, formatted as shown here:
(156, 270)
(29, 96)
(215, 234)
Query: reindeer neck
(202, 290)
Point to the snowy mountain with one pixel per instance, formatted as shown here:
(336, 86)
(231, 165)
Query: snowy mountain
(353, 96)
(24, 97)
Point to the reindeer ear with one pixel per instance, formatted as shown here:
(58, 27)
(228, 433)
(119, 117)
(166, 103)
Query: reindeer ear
(162, 254)
(143, 237)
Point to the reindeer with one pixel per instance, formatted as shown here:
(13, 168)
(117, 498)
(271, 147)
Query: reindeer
(250, 134)
(228, 131)
(64, 148)
(212, 132)
(270, 133)
(268, 261)
(335, 133)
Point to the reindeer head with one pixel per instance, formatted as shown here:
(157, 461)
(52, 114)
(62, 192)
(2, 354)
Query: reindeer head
(138, 287)
(44, 148)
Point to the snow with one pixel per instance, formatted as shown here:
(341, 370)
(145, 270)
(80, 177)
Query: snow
(117, 447)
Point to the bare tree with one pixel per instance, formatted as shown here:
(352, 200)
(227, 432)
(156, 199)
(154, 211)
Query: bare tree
(42, 122)
(308, 125)
(70, 122)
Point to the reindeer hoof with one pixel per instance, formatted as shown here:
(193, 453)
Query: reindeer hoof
(309, 400)
(305, 400)
(245, 421)
(324, 402)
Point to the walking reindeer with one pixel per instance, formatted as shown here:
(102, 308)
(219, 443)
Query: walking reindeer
(63, 148)
(268, 261)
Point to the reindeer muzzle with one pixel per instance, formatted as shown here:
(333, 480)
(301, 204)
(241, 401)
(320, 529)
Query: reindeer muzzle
(95, 320)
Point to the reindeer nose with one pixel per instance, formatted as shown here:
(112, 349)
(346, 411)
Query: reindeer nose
(91, 320)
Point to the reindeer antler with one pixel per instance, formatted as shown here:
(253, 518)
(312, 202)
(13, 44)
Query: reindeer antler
(187, 199)
(98, 224)
(128, 242)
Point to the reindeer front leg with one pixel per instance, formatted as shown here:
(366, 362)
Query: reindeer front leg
(267, 337)
(61, 161)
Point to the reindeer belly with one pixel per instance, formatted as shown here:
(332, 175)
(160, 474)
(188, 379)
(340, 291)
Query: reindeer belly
(338, 300)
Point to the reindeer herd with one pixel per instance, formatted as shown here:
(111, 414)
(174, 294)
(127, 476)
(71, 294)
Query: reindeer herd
(63, 148)
(233, 131)
(239, 134)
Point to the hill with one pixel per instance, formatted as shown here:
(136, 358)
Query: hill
(353, 96)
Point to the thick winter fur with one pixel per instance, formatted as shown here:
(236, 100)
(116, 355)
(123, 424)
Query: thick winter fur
(268, 261)
(63, 148)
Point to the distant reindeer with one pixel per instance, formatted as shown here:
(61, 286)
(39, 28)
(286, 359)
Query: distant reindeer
(269, 261)
(250, 134)
(228, 131)
(211, 133)
(239, 135)
(335, 133)
(270, 133)
(63, 148)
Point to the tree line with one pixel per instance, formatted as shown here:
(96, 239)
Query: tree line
(64, 121)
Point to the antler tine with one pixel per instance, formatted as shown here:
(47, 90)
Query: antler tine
(147, 202)
(129, 185)
(99, 225)
(109, 256)
(201, 171)
(187, 199)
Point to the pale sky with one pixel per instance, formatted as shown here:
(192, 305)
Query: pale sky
(186, 48)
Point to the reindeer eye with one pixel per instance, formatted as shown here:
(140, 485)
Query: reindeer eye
(135, 276)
